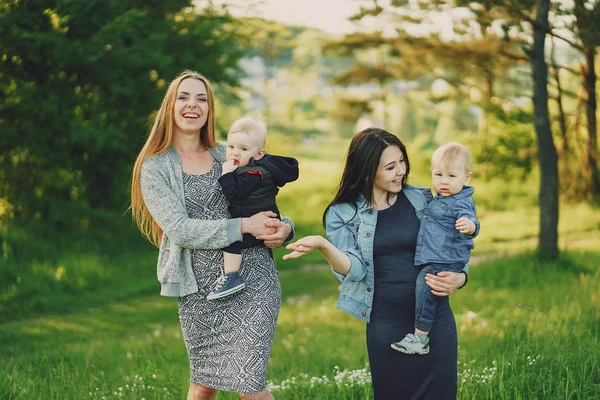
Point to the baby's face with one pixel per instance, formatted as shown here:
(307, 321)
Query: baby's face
(448, 179)
(241, 148)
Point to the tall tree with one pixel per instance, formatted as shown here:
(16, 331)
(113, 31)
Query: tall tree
(548, 195)
(79, 81)
(525, 20)
(581, 20)
(587, 27)
(533, 16)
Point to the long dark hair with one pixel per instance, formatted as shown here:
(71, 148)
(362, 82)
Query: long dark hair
(361, 166)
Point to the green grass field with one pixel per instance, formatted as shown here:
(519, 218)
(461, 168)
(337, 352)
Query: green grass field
(81, 318)
(526, 330)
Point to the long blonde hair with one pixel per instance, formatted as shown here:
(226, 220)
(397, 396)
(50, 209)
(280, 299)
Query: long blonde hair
(159, 140)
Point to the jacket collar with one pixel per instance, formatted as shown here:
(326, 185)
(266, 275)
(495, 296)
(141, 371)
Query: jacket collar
(364, 205)
(466, 191)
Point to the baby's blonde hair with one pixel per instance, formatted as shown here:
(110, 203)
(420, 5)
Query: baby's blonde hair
(254, 128)
(450, 152)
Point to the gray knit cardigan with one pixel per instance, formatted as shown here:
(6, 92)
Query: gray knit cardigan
(162, 191)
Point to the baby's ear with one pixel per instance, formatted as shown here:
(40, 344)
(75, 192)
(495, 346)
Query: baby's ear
(260, 154)
(469, 176)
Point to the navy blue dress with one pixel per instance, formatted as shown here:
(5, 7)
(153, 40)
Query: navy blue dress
(397, 375)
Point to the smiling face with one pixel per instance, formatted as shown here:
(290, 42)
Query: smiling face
(449, 177)
(241, 147)
(391, 170)
(191, 109)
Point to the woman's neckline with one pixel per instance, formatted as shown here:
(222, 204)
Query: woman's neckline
(212, 166)
(394, 199)
(394, 202)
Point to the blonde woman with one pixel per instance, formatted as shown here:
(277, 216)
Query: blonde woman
(179, 206)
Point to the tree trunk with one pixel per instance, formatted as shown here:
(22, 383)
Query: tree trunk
(562, 119)
(592, 143)
(548, 196)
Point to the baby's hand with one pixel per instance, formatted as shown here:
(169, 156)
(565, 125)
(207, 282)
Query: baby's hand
(465, 225)
(229, 166)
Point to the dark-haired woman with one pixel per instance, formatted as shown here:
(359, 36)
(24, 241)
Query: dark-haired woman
(372, 224)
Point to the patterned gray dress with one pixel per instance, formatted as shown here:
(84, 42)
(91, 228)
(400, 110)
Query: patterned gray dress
(228, 340)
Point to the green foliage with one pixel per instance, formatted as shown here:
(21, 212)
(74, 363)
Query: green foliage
(80, 80)
(44, 269)
(509, 147)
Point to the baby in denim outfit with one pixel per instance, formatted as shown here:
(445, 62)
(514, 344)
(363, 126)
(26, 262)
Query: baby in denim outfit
(445, 238)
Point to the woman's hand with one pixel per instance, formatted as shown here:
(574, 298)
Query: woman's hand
(304, 246)
(445, 282)
(282, 232)
(338, 260)
(260, 224)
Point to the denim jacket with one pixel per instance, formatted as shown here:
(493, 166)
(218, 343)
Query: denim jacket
(438, 240)
(351, 228)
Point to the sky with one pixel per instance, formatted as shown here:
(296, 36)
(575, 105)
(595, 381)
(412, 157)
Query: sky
(330, 16)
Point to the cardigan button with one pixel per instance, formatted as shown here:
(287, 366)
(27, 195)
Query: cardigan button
(368, 234)
(367, 263)
(368, 289)
(370, 212)
(364, 314)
